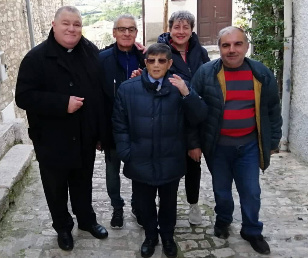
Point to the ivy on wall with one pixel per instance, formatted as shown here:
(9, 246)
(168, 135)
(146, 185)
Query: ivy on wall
(266, 32)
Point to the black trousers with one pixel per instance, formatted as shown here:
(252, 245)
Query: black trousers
(166, 216)
(78, 182)
(192, 180)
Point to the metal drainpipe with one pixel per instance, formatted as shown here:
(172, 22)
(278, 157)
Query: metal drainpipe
(29, 15)
(143, 22)
(287, 67)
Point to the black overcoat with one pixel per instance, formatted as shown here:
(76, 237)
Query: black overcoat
(44, 85)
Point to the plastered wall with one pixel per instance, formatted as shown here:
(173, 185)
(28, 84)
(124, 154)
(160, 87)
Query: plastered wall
(298, 130)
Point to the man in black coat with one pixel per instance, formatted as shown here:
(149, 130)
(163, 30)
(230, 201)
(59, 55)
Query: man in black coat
(117, 63)
(59, 87)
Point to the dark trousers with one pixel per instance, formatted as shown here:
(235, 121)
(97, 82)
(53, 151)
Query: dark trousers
(192, 180)
(166, 216)
(78, 182)
(113, 180)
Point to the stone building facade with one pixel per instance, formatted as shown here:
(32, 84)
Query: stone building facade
(15, 43)
(298, 127)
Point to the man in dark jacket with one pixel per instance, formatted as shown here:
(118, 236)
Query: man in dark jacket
(117, 64)
(148, 126)
(242, 130)
(59, 87)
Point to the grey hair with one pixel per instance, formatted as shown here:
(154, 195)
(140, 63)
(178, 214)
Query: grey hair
(228, 30)
(182, 15)
(124, 16)
(67, 8)
(159, 48)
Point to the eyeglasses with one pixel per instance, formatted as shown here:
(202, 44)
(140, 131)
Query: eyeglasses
(160, 60)
(123, 29)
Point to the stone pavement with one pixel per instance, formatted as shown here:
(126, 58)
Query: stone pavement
(26, 229)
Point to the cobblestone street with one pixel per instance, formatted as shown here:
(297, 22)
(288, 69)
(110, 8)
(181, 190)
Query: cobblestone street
(26, 229)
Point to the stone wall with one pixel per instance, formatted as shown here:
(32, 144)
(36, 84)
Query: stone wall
(298, 136)
(15, 42)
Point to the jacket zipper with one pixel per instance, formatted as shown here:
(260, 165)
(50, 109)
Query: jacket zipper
(114, 87)
(127, 66)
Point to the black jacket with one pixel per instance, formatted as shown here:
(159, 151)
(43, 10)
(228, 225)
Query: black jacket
(149, 129)
(196, 56)
(210, 84)
(113, 75)
(45, 82)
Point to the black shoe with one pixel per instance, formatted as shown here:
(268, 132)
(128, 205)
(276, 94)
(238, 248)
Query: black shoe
(117, 218)
(96, 230)
(137, 216)
(169, 247)
(65, 240)
(221, 231)
(148, 247)
(257, 243)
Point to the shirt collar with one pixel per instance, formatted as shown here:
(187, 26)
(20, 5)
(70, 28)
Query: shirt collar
(154, 80)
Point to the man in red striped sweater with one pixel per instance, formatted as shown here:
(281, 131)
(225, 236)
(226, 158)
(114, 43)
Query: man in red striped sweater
(242, 130)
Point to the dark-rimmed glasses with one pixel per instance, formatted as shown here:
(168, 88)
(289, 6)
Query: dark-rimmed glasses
(123, 29)
(160, 60)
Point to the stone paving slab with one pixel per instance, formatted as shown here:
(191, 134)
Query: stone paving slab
(26, 229)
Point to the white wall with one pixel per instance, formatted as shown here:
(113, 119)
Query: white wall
(298, 136)
(190, 5)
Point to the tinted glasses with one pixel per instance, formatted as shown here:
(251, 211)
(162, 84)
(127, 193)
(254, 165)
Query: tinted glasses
(160, 60)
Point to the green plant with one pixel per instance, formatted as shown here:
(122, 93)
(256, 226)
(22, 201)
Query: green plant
(134, 9)
(266, 32)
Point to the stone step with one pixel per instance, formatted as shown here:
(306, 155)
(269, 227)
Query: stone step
(13, 167)
(7, 137)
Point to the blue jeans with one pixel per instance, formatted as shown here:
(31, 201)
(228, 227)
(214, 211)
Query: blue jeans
(241, 164)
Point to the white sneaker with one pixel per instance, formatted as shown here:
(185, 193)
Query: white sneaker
(195, 216)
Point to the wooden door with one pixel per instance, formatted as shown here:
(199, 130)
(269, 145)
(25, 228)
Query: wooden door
(213, 15)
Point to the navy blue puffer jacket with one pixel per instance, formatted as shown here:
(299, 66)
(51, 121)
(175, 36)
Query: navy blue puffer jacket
(148, 128)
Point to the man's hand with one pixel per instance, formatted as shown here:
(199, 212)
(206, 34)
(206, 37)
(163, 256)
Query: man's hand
(74, 104)
(141, 47)
(136, 73)
(178, 82)
(195, 154)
